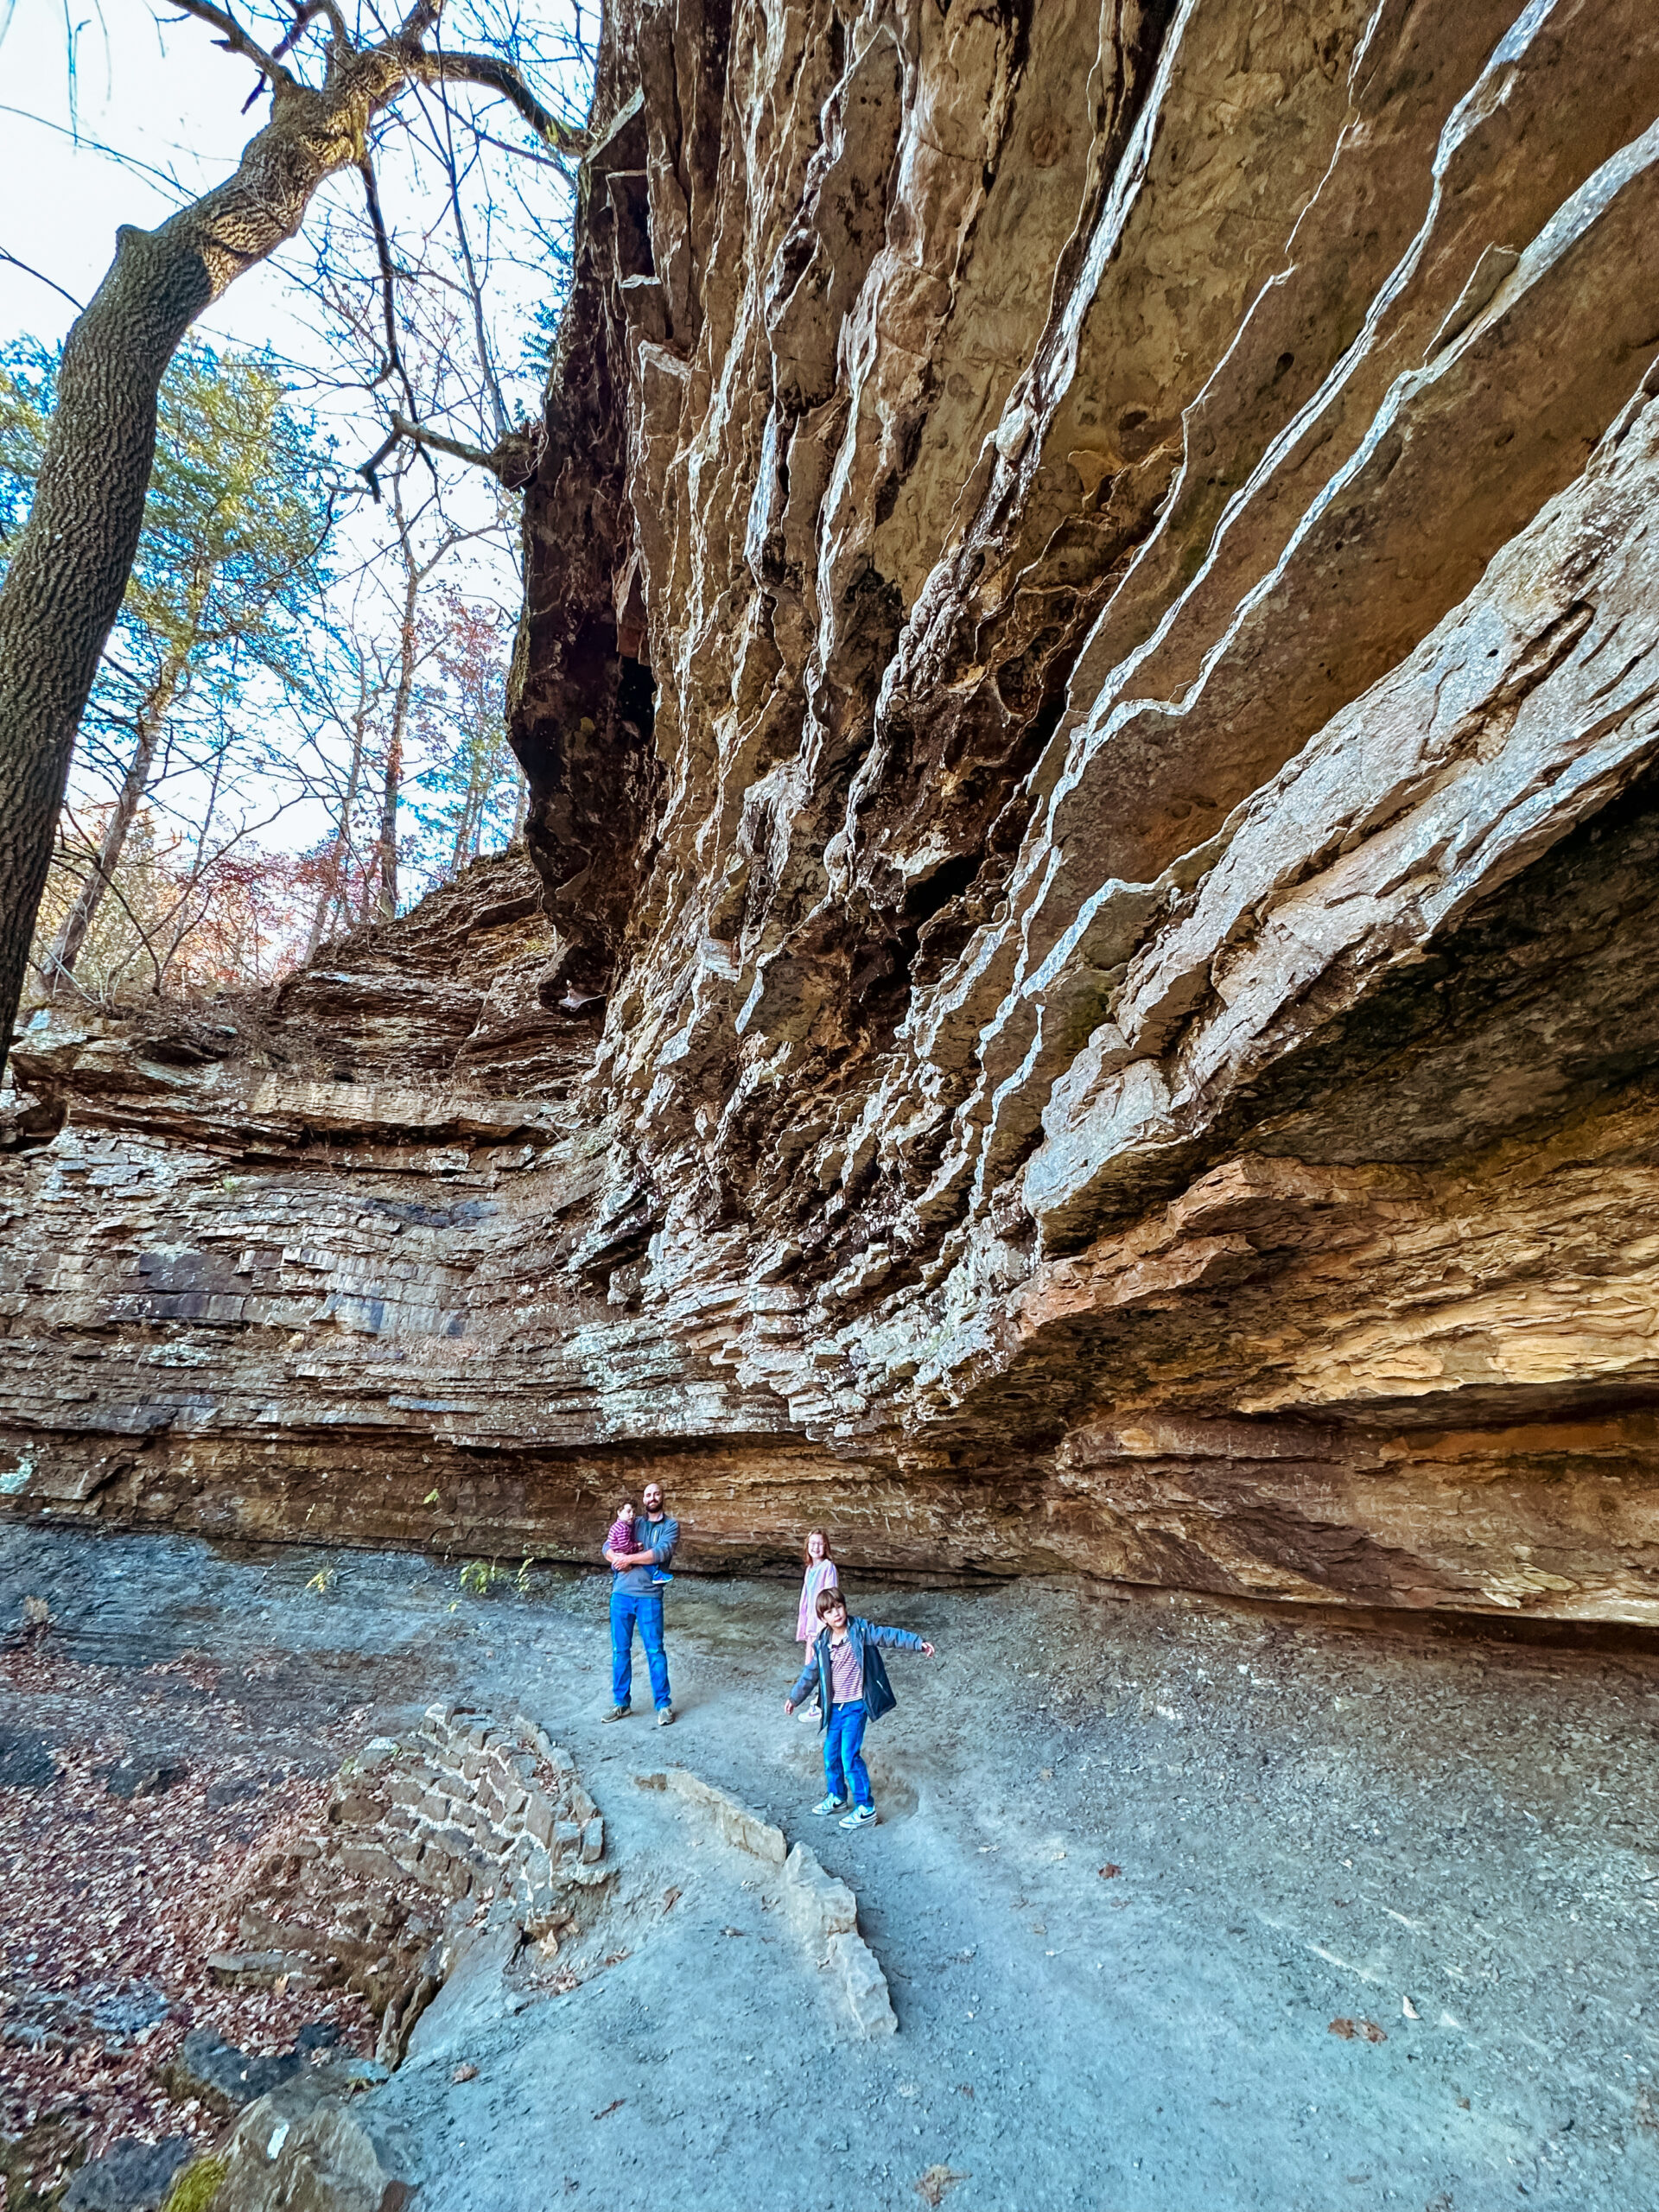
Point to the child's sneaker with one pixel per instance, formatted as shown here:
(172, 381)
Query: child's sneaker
(860, 1817)
(658, 1578)
(830, 1805)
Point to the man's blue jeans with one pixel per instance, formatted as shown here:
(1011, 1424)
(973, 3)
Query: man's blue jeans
(844, 1772)
(647, 1609)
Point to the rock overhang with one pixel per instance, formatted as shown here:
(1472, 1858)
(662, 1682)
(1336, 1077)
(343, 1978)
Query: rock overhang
(1088, 683)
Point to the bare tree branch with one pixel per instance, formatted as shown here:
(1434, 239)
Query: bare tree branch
(382, 250)
(421, 17)
(501, 421)
(559, 161)
(512, 461)
(492, 75)
(235, 39)
(340, 37)
(457, 447)
(30, 271)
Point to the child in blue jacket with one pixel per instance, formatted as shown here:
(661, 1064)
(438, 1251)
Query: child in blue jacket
(845, 1665)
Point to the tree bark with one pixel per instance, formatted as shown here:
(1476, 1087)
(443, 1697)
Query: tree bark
(385, 897)
(65, 583)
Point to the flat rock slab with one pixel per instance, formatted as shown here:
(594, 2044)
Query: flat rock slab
(472, 1999)
(820, 1910)
(26, 1761)
(227, 2079)
(130, 2177)
(136, 1776)
(61, 2019)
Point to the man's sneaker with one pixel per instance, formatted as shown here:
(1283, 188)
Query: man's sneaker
(860, 1817)
(665, 1716)
(618, 1712)
(830, 1805)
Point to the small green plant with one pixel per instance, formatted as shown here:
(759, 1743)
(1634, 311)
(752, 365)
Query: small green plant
(197, 2186)
(431, 1498)
(323, 1580)
(479, 1576)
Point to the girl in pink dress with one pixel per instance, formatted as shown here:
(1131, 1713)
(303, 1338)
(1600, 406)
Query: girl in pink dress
(820, 1575)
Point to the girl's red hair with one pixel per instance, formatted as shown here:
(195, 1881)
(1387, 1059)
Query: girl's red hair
(806, 1549)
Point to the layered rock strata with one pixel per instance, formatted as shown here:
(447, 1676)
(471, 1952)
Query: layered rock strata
(1091, 679)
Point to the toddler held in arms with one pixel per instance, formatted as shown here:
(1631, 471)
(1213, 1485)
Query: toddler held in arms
(619, 1537)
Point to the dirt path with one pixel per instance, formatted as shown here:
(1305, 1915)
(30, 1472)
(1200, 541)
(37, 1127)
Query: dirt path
(1441, 1846)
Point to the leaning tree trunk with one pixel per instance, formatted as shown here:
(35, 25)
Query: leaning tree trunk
(66, 578)
(71, 567)
(64, 584)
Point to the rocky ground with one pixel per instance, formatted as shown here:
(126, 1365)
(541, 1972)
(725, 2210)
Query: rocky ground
(1177, 1903)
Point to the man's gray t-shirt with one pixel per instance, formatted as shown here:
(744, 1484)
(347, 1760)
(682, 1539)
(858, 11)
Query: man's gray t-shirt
(657, 1537)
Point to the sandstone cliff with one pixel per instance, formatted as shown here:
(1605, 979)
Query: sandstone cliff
(1090, 681)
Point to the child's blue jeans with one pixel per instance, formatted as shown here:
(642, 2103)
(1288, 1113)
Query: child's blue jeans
(845, 1774)
(628, 1606)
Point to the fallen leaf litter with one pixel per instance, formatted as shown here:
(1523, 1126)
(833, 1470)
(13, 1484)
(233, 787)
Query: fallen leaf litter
(115, 1902)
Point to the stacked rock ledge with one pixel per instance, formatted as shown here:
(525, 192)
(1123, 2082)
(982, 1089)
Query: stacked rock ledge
(1077, 983)
(464, 1817)
(480, 1810)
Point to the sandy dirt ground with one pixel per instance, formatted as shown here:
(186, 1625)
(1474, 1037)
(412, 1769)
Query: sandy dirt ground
(1180, 1904)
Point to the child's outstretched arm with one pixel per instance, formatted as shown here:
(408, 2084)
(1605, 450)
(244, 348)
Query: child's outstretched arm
(899, 1638)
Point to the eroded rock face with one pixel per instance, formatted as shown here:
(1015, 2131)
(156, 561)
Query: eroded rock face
(1090, 677)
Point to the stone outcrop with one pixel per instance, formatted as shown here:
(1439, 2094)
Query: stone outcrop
(298, 2147)
(816, 1907)
(464, 1817)
(1090, 680)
